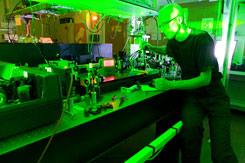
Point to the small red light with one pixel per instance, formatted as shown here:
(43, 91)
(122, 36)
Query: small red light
(110, 78)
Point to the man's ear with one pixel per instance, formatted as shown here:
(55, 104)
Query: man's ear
(179, 19)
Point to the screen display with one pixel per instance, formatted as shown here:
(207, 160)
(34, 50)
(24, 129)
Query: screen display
(108, 62)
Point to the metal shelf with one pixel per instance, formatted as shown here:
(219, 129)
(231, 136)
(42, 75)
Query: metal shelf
(108, 7)
(42, 8)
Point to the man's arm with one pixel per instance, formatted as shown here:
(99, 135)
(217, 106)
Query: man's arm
(202, 80)
(157, 49)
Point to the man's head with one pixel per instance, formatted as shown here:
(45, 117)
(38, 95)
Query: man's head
(170, 19)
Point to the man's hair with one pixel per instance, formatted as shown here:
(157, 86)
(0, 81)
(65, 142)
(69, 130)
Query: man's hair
(169, 12)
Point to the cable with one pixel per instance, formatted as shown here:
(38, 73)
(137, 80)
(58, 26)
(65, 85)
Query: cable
(157, 29)
(67, 33)
(58, 122)
(19, 13)
(11, 41)
(171, 1)
(125, 44)
(87, 26)
(98, 30)
(124, 24)
(32, 21)
(115, 34)
(156, 25)
(88, 39)
(33, 33)
(99, 47)
(5, 10)
(155, 155)
(93, 32)
(16, 26)
(135, 54)
(41, 23)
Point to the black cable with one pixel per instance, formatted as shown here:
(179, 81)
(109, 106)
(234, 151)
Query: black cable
(98, 48)
(170, 1)
(124, 25)
(58, 122)
(93, 32)
(86, 26)
(144, 20)
(33, 31)
(101, 25)
(5, 10)
(157, 29)
(32, 20)
(19, 13)
(92, 39)
(11, 41)
(115, 34)
(67, 33)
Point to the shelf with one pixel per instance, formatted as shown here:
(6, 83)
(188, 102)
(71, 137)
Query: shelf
(237, 75)
(108, 7)
(236, 89)
(242, 73)
(41, 8)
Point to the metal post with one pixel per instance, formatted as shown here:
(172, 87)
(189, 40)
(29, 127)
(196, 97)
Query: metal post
(231, 7)
(218, 28)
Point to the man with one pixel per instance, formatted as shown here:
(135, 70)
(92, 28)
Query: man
(205, 94)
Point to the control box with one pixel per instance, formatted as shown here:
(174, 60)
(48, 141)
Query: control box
(32, 98)
(108, 67)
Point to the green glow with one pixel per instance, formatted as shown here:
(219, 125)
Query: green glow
(25, 74)
(49, 69)
(90, 66)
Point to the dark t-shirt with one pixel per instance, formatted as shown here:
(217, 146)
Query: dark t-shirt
(196, 55)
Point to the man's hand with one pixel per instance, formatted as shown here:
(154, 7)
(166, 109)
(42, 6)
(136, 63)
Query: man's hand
(144, 45)
(202, 80)
(163, 84)
(158, 49)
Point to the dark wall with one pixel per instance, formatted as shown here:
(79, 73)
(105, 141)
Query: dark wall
(28, 53)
